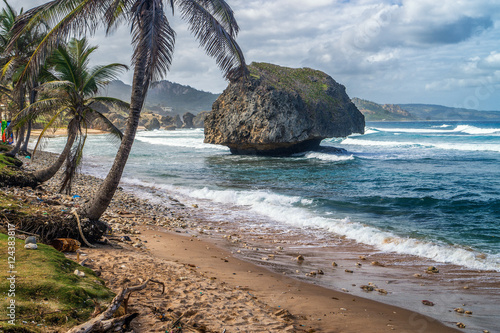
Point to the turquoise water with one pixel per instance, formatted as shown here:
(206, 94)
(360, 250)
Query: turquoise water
(430, 189)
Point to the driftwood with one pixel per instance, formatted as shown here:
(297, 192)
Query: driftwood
(105, 320)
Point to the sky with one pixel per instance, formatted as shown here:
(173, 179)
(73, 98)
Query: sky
(393, 51)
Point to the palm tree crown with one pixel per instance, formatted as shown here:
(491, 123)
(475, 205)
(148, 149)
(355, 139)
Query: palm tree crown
(69, 96)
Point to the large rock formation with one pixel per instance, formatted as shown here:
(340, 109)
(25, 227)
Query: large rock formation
(187, 118)
(278, 111)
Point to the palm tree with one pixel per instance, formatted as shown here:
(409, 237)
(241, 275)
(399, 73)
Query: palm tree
(211, 21)
(14, 60)
(70, 96)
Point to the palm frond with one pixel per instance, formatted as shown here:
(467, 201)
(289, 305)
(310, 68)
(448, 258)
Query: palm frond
(36, 109)
(66, 16)
(104, 120)
(109, 101)
(213, 37)
(117, 11)
(56, 84)
(152, 37)
(8, 67)
(47, 126)
(223, 13)
(6, 91)
(100, 76)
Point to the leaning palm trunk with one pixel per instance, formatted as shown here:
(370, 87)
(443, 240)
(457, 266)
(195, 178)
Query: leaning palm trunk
(24, 148)
(20, 132)
(19, 141)
(101, 200)
(47, 173)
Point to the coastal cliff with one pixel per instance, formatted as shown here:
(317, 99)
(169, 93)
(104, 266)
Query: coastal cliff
(279, 111)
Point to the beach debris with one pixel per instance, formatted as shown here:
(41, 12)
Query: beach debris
(486, 331)
(194, 205)
(381, 291)
(320, 272)
(468, 312)
(30, 246)
(300, 258)
(428, 303)
(417, 275)
(459, 310)
(460, 325)
(79, 273)
(284, 314)
(367, 288)
(280, 248)
(362, 257)
(105, 320)
(334, 264)
(466, 287)
(66, 244)
(432, 269)
(348, 271)
(312, 273)
(376, 263)
(358, 264)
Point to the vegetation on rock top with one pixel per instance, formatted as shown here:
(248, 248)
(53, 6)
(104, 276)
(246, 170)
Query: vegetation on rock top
(311, 84)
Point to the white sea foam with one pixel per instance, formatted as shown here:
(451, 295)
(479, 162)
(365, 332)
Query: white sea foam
(444, 129)
(293, 210)
(329, 157)
(407, 144)
(184, 142)
(476, 130)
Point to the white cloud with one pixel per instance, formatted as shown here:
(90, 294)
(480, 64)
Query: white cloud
(389, 51)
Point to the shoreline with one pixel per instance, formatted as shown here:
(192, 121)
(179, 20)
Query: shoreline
(317, 302)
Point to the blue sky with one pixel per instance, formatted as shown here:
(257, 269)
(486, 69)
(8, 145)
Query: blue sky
(409, 51)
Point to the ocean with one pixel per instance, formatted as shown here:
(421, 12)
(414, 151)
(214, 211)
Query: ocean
(428, 190)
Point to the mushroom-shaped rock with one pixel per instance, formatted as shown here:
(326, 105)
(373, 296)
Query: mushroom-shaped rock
(280, 111)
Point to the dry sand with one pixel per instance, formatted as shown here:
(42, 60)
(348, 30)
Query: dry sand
(212, 290)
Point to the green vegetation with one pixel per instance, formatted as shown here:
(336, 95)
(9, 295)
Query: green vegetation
(45, 285)
(11, 174)
(311, 84)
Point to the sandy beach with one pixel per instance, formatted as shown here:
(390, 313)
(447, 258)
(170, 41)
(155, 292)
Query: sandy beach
(211, 287)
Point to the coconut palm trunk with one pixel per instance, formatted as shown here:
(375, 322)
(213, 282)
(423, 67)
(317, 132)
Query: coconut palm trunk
(32, 99)
(47, 173)
(101, 200)
(20, 133)
(24, 148)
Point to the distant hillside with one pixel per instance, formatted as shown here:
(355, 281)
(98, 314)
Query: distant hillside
(165, 95)
(408, 112)
(377, 112)
(439, 112)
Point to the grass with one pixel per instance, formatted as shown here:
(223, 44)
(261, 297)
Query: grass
(311, 84)
(45, 284)
(10, 174)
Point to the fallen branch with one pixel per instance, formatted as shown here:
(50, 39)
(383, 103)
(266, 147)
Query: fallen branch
(104, 321)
